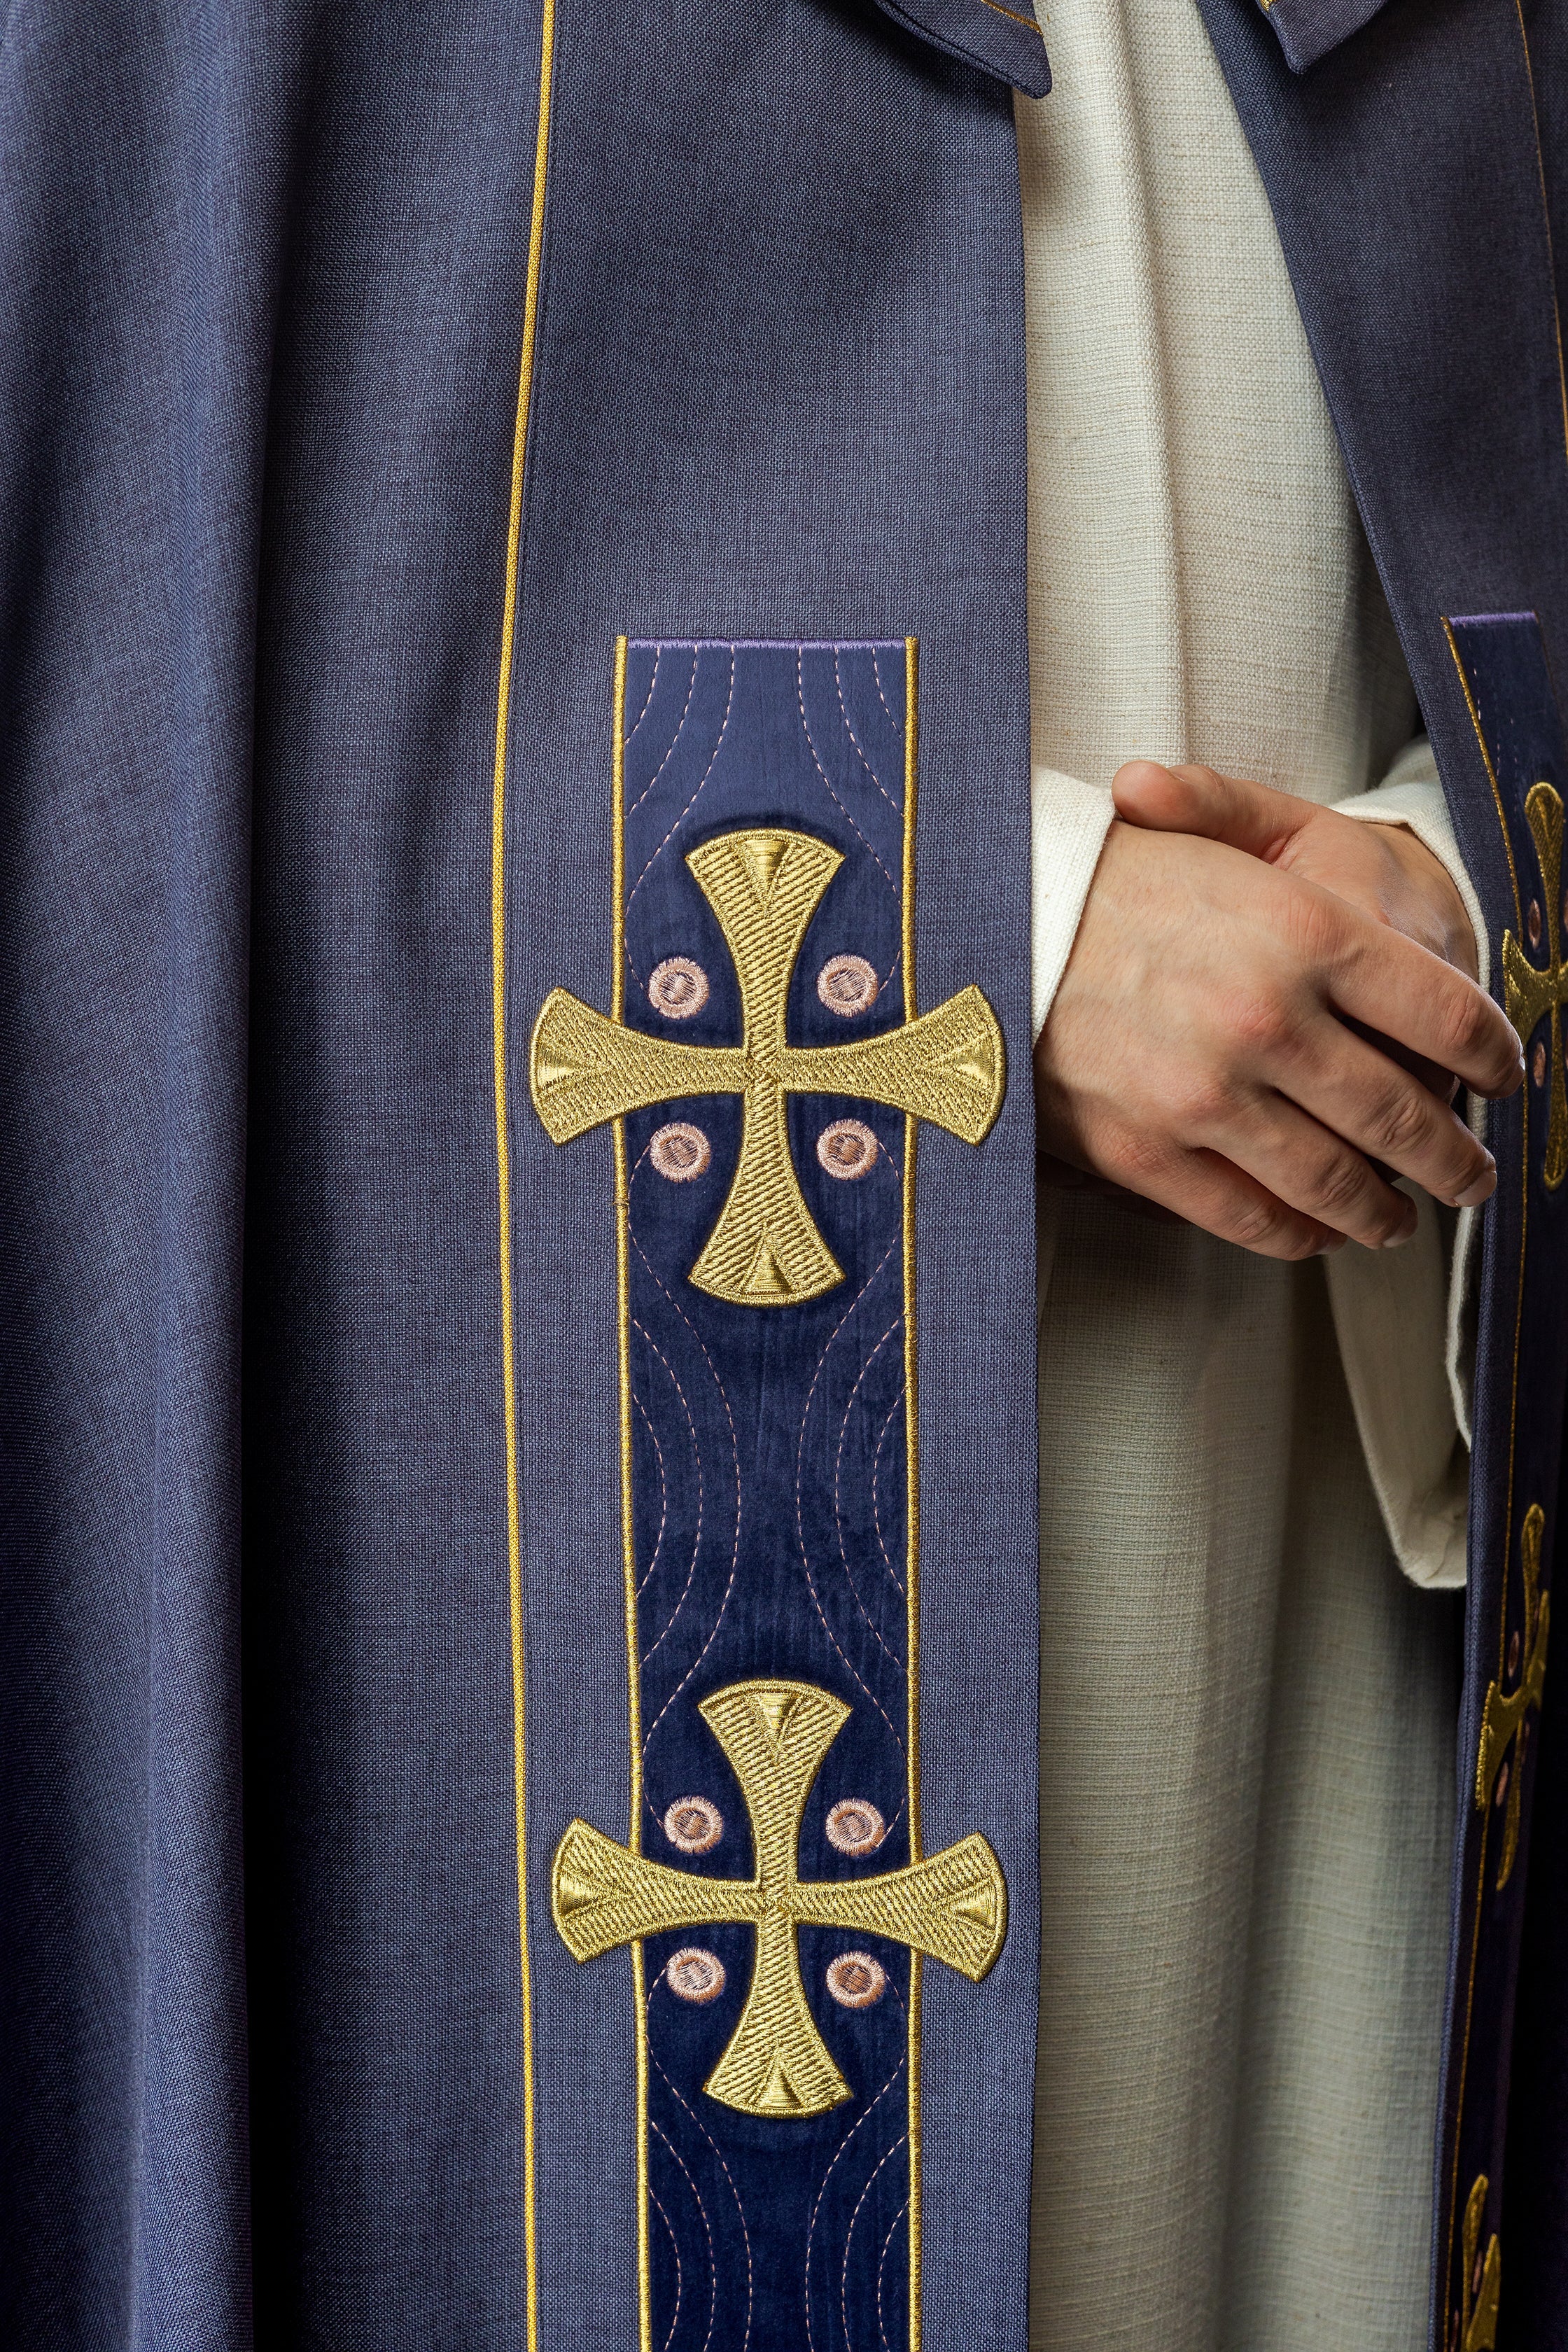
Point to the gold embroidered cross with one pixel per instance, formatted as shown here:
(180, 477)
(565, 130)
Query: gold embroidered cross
(1503, 1717)
(1482, 2286)
(764, 886)
(775, 1735)
(1530, 993)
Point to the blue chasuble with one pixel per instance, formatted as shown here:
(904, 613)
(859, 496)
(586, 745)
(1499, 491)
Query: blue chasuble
(519, 1784)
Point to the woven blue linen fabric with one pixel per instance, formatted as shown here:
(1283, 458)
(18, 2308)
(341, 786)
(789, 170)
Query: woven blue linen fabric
(262, 285)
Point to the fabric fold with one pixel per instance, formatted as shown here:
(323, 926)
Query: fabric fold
(1309, 29)
(1003, 42)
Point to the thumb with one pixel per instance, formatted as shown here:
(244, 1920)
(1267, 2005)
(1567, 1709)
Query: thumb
(1246, 816)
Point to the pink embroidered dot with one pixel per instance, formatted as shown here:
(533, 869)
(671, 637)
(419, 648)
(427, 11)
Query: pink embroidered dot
(678, 988)
(1513, 1654)
(855, 1979)
(694, 1974)
(847, 984)
(1533, 922)
(680, 1152)
(854, 1826)
(694, 1824)
(847, 1149)
(1538, 1064)
(1501, 1791)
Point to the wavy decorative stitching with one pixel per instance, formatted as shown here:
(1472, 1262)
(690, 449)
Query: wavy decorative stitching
(882, 2271)
(680, 820)
(895, 1656)
(893, 1412)
(664, 1496)
(702, 1494)
(877, 675)
(739, 2209)
(860, 750)
(653, 690)
(827, 781)
(675, 739)
(707, 2230)
(842, 2150)
(675, 2250)
(849, 1668)
(849, 2238)
(735, 1454)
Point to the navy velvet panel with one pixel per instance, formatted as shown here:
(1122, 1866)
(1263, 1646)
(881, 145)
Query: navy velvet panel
(1432, 316)
(1517, 714)
(769, 1453)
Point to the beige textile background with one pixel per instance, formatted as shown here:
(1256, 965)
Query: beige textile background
(1248, 1717)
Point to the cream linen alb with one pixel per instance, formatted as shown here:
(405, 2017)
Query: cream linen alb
(1249, 1712)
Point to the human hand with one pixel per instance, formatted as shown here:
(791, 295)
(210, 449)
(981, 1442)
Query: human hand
(1381, 869)
(1203, 1052)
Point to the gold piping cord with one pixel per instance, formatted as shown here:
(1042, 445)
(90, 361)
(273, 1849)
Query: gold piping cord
(912, 1469)
(628, 1530)
(504, 1156)
(1512, 1434)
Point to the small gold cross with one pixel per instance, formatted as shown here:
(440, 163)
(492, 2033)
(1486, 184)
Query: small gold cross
(1503, 1717)
(1531, 992)
(764, 886)
(953, 1907)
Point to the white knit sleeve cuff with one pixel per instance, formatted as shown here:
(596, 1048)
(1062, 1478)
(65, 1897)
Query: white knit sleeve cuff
(1070, 822)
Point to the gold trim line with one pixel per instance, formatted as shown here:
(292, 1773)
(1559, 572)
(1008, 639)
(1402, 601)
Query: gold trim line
(912, 1467)
(504, 1156)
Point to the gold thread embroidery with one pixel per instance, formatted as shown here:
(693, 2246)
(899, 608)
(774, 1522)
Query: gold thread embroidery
(764, 886)
(953, 1907)
(1503, 1717)
(503, 1162)
(1533, 994)
(1483, 2279)
(912, 1474)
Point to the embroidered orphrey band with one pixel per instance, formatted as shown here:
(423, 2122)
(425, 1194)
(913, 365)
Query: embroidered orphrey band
(764, 1073)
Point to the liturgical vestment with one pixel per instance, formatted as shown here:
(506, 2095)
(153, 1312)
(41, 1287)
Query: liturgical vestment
(571, 587)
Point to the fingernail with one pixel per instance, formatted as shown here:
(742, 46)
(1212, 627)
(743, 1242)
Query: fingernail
(1406, 1233)
(1482, 1190)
